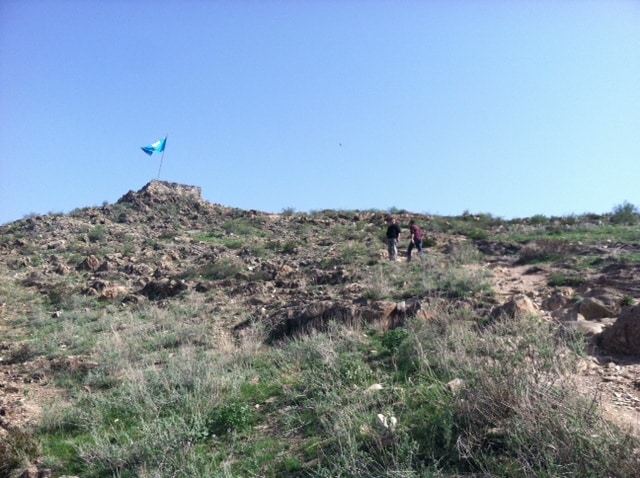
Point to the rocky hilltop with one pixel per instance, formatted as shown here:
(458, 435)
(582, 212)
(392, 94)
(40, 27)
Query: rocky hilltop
(292, 273)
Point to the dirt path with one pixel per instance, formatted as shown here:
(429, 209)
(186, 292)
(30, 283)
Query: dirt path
(509, 279)
(613, 382)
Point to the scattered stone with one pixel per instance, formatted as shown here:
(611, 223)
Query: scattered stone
(375, 387)
(456, 385)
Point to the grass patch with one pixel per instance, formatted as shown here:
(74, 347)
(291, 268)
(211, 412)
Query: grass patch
(565, 280)
(308, 407)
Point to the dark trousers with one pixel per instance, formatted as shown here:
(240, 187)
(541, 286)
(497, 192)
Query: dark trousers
(418, 245)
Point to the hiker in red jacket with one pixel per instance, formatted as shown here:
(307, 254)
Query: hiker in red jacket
(417, 236)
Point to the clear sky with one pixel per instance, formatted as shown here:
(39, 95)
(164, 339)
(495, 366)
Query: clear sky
(512, 108)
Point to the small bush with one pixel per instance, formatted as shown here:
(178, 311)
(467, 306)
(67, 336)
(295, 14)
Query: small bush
(477, 234)
(223, 269)
(22, 353)
(627, 300)
(234, 244)
(625, 213)
(97, 234)
(538, 220)
(17, 449)
(429, 241)
(234, 416)
(393, 339)
(564, 280)
(60, 294)
(544, 250)
(464, 253)
(242, 227)
(353, 252)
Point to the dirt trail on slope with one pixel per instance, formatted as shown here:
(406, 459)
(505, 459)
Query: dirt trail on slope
(613, 382)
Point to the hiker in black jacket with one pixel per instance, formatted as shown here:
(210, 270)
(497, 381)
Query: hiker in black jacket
(393, 236)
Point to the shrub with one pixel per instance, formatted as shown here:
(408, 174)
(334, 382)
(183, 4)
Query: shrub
(18, 448)
(429, 241)
(625, 213)
(565, 280)
(392, 339)
(353, 252)
(21, 353)
(222, 269)
(464, 253)
(627, 300)
(235, 416)
(60, 294)
(538, 220)
(477, 234)
(97, 234)
(544, 250)
(283, 247)
(243, 227)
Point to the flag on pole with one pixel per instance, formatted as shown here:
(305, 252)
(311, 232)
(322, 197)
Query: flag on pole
(157, 147)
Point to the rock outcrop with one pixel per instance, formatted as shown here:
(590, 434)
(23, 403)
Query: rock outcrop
(623, 336)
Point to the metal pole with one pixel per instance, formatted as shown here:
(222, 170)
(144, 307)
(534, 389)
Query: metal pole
(162, 157)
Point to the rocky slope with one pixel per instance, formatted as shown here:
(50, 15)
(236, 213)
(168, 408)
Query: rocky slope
(289, 272)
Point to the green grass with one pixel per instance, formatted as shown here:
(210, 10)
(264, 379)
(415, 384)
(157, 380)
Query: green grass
(427, 278)
(565, 280)
(164, 389)
(580, 232)
(303, 408)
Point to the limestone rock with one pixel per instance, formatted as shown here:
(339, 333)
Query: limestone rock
(557, 300)
(519, 305)
(589, 328)
(623, 336)
(91, 263)
(593, 309)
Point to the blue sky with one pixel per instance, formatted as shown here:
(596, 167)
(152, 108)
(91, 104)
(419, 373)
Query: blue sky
(512, 108)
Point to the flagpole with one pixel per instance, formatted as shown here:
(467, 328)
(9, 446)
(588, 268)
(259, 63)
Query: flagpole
(162, 157)
(160, 168)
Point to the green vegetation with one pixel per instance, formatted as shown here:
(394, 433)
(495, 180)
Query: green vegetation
(97, 234)
(310, 407)
(170, 388)
(560, 280)
(625, 213)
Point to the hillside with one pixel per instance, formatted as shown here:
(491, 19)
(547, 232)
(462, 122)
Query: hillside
(101, 299)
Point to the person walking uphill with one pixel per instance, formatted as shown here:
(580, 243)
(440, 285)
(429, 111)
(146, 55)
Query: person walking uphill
(417, 236)
(393, 235)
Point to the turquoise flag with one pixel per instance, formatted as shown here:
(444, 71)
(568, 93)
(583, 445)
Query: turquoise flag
(157, 147)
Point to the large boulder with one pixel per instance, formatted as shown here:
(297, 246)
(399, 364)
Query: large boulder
(594, 309)
(163, 288)
(623, 336)
(519, 305)
(91, 263)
